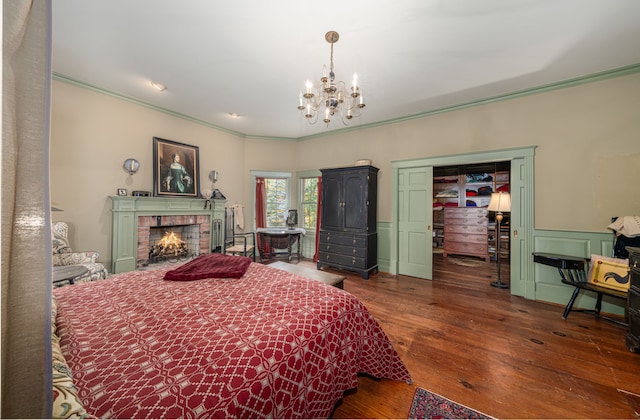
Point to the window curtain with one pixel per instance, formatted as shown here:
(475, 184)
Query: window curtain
(26, 210)
(261, 214)
(316, 256)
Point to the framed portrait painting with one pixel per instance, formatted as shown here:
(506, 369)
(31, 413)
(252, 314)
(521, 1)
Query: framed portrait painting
(176, 169)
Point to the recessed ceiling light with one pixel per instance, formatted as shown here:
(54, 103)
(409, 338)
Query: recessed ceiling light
(159, 86)
(234, 115)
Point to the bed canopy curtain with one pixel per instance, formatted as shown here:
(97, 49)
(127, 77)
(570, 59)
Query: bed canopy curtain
(26, 224)
(261, 213)
(316, 256)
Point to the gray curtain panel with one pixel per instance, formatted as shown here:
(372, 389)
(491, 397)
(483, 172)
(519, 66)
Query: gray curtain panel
(26, 224)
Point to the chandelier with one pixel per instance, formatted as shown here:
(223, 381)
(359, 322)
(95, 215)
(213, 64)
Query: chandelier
(331, 97)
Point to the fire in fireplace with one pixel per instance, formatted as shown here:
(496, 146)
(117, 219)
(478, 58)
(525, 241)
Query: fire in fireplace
(192, 229)
(169, 248)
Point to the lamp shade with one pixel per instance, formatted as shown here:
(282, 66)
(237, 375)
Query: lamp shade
(500, 202)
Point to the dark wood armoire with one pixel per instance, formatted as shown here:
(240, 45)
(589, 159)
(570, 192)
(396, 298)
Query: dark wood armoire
(348, 233)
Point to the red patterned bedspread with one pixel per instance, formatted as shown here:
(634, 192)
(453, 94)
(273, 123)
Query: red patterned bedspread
(270, 344)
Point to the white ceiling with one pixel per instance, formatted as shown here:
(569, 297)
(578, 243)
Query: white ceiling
(252, 57)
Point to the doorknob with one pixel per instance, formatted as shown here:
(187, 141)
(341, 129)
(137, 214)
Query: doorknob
(428, 228)
(515, 233)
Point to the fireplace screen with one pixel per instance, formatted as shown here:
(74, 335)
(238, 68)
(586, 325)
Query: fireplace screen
(173, 244)
(169, 248)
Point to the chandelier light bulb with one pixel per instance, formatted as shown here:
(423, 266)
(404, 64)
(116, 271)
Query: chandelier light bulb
(332, 97)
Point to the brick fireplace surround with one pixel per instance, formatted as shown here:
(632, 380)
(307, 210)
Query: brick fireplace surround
(133, 218)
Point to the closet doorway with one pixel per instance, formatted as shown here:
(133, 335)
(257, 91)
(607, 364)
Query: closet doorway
(412, 213)
(465, 233)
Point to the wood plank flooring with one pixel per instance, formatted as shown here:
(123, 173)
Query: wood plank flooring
(502, 355)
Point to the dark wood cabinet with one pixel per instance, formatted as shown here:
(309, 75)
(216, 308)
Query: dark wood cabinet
(348, 233)
(633, 300)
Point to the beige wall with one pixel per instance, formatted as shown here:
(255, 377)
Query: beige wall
(587, 158)
(587, 161)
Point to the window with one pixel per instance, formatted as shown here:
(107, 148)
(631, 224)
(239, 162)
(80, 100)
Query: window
(309, 202)
(277, 201)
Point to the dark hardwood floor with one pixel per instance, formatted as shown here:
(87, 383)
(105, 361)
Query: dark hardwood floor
(502, 355)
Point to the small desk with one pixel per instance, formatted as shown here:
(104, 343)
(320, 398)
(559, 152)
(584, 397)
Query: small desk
(279, 238)
(68, 273)
(327, 278)
(573, 271)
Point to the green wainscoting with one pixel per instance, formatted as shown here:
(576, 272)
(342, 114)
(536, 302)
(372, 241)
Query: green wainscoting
(385, 230)
(549, 288)
(546, 280)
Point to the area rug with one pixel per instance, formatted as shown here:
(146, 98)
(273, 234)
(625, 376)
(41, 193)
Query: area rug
(427, 405)
(466, 262)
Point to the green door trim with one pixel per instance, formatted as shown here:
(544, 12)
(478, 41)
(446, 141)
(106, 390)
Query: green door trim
(520, 263)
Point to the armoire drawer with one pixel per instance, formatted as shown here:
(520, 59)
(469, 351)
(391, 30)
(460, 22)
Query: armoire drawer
(343, 260)
(357, 241)
(351, 251)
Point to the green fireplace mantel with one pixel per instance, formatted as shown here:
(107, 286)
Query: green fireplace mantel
(126, 211)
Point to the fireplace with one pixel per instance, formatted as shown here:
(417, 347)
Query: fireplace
(135, 219)
(172, 238)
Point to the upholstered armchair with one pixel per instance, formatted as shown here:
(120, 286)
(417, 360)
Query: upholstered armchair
(63, 255)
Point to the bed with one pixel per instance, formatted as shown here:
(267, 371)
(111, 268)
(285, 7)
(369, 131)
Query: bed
(267, 344)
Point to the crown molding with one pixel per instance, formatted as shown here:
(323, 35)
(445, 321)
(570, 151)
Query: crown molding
(608, 74)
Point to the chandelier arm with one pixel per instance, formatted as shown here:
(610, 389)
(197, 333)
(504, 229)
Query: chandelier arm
(312, 120)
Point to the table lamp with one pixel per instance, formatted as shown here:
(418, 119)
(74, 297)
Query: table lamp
(500, 202)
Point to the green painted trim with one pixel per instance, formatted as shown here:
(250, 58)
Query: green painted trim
(270, 174)
(308, 174)
(394, 245)
(466, 158)
(309, 239)
(93, 88)
(123, 97)
(608, 74)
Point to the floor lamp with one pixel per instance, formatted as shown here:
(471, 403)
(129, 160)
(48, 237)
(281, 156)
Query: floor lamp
(500, 202)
